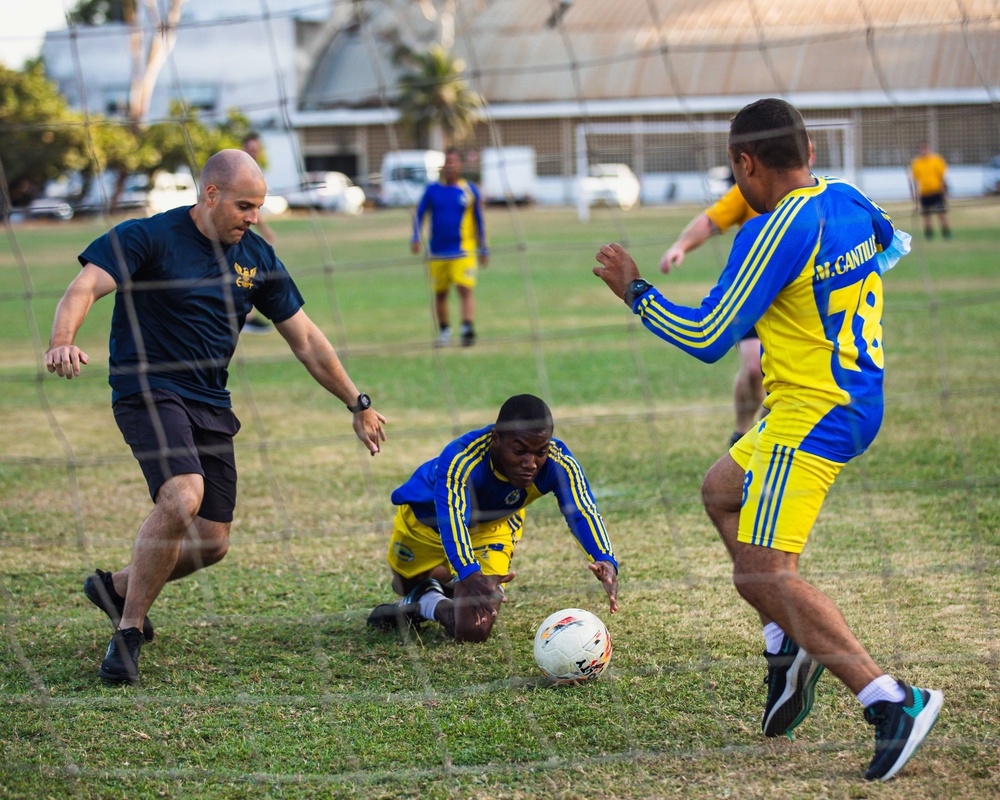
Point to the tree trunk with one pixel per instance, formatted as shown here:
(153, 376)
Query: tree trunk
(146, 66)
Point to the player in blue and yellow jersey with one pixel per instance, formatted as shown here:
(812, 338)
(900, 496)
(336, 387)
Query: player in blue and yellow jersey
(461, 515)
(457, 242)
(808, 274)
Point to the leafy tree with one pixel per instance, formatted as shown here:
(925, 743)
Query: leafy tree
(434, 98)
(97, 12)
(38, 138)
(185, 141)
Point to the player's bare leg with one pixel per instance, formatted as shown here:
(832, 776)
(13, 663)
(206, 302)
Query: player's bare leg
(768, 579)
(204, 544)
(468, 303)
(403, 586)
(442, 317)
(748, 386)
(945, 227)
(158, 544)
(722, 496)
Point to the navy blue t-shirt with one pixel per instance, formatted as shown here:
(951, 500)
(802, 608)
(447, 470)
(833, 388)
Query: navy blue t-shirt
(190, 297)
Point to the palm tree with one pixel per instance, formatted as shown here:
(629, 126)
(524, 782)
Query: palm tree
(434, 99)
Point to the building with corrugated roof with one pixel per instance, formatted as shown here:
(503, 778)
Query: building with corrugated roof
(652, 83)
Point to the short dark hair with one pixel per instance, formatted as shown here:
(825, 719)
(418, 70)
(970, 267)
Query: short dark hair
(523, 413)
(772, 131)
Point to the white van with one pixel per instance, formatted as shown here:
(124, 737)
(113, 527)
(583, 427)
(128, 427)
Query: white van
(405, 174)
(508, 173)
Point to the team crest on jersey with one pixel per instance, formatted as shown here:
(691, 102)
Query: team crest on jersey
(244, 276)
(403, 553)
(513, 497)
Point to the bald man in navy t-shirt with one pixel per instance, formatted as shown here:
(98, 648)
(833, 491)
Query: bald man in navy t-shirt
(184, 282)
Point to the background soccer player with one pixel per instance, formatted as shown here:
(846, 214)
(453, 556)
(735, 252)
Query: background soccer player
(807, 273)
(462, 514)
(457, 240)
(930, 189)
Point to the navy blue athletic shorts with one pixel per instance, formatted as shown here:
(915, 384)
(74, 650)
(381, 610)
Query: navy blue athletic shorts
(196, 438)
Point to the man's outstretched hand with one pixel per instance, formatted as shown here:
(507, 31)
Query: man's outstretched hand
(481, 594)
(617, 268)
(605, 572)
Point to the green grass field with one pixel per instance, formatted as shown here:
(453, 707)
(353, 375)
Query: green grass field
(263, 680)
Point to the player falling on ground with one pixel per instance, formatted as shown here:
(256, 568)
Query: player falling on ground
(807, 274)
(461, 515)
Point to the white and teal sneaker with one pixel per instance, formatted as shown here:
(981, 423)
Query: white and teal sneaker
(900, 728)
(791, 688)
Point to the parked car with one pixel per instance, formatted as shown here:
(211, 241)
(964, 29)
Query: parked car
(51, 208)
(330, 191)
(991, 176)
(405, 174)
(167, 190)
(610, 184)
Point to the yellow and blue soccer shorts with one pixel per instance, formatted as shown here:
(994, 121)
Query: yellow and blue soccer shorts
(416, 548)
(447, 271)
(783, 490)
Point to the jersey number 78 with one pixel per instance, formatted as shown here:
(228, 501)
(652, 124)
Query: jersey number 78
(861, 301)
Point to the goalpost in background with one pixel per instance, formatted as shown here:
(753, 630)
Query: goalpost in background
(833, 140)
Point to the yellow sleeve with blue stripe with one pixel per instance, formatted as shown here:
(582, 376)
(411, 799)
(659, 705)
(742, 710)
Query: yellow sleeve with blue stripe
(729, 210)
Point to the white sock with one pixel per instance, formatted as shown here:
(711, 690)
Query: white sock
(773, 635)
(884, 687)
(428, 602)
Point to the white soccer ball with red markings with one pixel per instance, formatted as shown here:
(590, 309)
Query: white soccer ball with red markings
(572, 646)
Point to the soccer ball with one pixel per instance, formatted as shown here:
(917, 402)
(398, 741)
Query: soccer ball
(572, 646)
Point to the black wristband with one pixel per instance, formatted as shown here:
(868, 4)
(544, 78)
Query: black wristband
(635, 290)
(363, 404)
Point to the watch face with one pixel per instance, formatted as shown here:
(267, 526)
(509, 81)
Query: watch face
(364, 401)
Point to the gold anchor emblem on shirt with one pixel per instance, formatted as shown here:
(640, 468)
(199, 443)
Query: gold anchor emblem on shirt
(245, 276)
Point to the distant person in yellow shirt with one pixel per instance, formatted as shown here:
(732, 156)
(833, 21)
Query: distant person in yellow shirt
(748, 387)
(930, 189)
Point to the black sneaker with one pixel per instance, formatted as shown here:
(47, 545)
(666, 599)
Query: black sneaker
(735, 438)
(121, 663)
(405, 612)
(791, 688)
(468, 336)
(900, 728)
(100, 591)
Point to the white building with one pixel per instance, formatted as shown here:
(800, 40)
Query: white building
(227, 55)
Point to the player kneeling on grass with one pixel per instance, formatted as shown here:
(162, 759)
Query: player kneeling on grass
(807, 274)
(461, 515)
